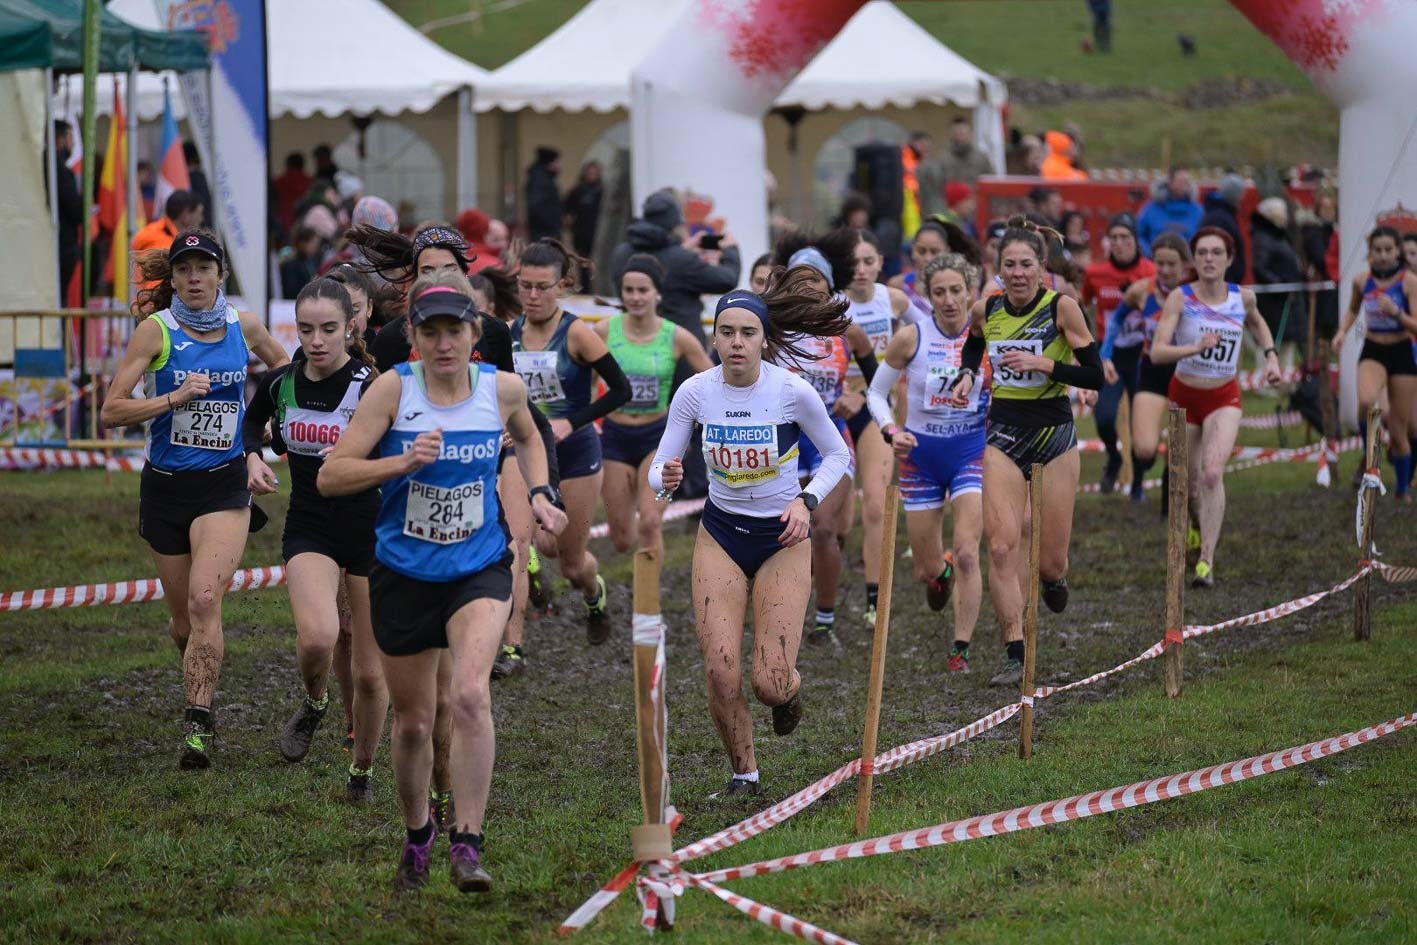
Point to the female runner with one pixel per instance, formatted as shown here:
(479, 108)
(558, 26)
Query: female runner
(758, 275)
(328, 545)
(194, 508)
(1387, 297)
(647, 348)
(941, 449)
(754, 414)
(877, 309)
(1201, 329)
(931, 240)
(825, 369)
(1033, 335)
(1137, 317)
(556, 353)
(442, 577)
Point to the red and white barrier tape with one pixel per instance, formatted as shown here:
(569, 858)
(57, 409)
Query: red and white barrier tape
(1254, 380)
(1272, 421)
(23, 457)
(126, 592)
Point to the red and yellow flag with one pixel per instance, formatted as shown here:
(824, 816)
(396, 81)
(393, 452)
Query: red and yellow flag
(113, 199)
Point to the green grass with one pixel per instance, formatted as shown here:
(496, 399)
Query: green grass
(105, 841)
(1042, 39)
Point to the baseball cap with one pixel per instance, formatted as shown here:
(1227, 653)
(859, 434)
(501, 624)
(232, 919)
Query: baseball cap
(442, 300)
(192, 241)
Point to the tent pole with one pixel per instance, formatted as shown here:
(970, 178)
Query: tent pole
(92, 26)
(135, 197)
(467, 151)
(51, 172)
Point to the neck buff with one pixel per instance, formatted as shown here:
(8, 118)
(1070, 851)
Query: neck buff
(209, 320)
(1387, 273)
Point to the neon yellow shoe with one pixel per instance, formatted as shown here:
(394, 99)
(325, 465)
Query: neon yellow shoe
(536, 590)
(1193, 538)
(1205, 575)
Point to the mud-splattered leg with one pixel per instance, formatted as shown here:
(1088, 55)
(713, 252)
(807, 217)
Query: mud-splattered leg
(720, 602)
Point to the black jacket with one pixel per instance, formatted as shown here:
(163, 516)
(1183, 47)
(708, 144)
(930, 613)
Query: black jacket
(583, 207)
(1219, 212)
(543, 203)
(1276, 261)
(686, 275)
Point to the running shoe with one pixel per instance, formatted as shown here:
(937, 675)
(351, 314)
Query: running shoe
(1205, 575)
(536, 590)
(440, 808)
(1055, 595)
(821, 634)
(1138, 493)
(468, 875)
(937, 592)
(738, 787)
(870, 615)
(1109, 475)
(360, 787)
(509, 662)
(958, 662)
(348, 743)
(413, 864)
(295, 738)
(786, 716)
(1010, 675)
(196, 742)
(597, 620)
(1193, 544)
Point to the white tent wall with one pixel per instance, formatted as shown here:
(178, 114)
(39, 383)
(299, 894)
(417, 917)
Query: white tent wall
(30, 277)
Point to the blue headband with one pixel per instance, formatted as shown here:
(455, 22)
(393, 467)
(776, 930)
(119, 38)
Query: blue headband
(811, 256)
(742, 298)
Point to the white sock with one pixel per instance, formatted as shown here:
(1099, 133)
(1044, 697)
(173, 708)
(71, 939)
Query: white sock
(750, 776)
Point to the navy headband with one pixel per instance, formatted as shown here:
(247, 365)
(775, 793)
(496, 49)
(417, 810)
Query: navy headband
(811, 256)
(742, 298)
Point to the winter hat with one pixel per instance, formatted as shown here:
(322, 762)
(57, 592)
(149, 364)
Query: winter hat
(1125, 220)
(1231, 189)
(1275, 210)
(956, 191)
(662, 209)
(474, 224)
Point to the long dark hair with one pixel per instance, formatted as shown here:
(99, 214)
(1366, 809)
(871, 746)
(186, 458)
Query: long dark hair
(332, 289)
(501, 287)
(837, 245)
(956, 239)
(797, 306)
(1020, 229)
(395, 256)
(155, 266)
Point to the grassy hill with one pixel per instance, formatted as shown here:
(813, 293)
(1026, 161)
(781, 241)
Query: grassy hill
(1238, 101)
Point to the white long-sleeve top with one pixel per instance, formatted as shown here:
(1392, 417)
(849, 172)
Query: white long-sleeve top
(750, 437)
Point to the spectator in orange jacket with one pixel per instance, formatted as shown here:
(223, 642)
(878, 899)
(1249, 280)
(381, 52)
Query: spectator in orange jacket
(1058, 165)
(183, 211)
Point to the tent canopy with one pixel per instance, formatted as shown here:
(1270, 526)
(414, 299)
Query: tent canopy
(122, 46)
(882, 57)
(330, 57)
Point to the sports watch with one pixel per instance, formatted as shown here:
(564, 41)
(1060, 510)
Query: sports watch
(808, 500)
(553, 495)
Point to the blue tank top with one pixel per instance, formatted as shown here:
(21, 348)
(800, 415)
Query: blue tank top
(205, 432)
(554, 381)
(1373, 315)
(444, 522)
(1151, 316)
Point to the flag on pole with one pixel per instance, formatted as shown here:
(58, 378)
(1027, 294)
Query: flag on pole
(113, 199)
(171, 165)
(74, 291)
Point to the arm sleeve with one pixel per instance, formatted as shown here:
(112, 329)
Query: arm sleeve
(868, 365)
(548, 440)
(973, 354)
(878, 396)
(811, 416)
(1114, 325)
(1087, 373)
(617, 395)
(260, 411)
(683, 414)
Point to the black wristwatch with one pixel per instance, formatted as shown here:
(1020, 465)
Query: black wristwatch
(808, 500)
(553, 495)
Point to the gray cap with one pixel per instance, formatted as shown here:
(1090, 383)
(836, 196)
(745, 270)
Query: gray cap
(662, 209)
(1232, 188)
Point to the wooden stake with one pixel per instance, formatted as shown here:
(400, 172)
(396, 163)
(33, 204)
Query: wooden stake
(878, 660)
(653, 840)
(1030, 618)
(1178, 475)
(1362, 591)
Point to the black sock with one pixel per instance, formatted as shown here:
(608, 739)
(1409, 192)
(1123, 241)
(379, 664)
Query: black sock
(960, 646)
(474, 840)
(422, 835)
(202, 715)
(1015, 649)
(1140, 467)
(517, 649)
(873, 593)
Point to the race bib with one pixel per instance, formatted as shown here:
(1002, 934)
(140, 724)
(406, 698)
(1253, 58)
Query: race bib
(825, 380)
(644, 391)
(741, 455)
(538, 370)
(205, 424)
(938, 387)
(443, 516)
(1222, 360)
(1007, 377)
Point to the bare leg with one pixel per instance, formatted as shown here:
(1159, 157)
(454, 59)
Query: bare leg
(1218, 441)
(442, 724)
(341, 662)
(826, 546)
(968, 512)
(412, 687)
(619, 490)
(473, 636)
(578, 565)
(371, 696)
(720, 602)
(780, 592)
(314, 584)
(1005, 495)
(218, 540)
(873, 462)
(512, 492)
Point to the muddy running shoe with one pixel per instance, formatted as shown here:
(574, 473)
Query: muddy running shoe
(738, 788)
(196, 742)
(597, 620)
(1109, 475)
(1138, 493)
(821, 635)
(440, 809)
(870, 615)
(937, 592)
(1055, 595)
(786, 716)
(509, 662)
(536, 589)
(465, 862)
(1193, 543)
(958, 662)
(413, 864)
(295, 738)
(1010, 675)
(1205, 575)
(348, 743)
(360, 786)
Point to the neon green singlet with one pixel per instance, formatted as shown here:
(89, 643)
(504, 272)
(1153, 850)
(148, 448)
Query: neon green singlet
(1035, 330)
(649, 367)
